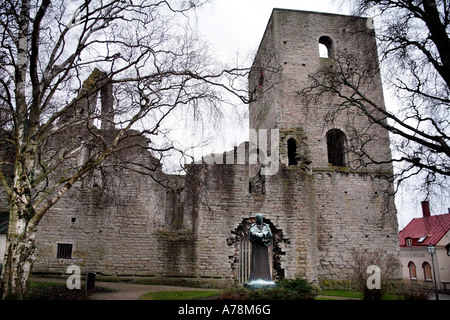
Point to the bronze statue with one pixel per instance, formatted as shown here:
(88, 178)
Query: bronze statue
(261, 237)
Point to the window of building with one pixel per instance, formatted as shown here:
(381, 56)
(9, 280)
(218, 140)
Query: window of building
(427, 271)
(412, 270)
(422, 239)
(173, 212)
(325, 47)
(64, 251)
(336, 141)
(292, 151)
(408, 242)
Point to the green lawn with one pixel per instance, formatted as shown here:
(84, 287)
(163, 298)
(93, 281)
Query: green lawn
(347, 294)
(178, 295)
(341, 294)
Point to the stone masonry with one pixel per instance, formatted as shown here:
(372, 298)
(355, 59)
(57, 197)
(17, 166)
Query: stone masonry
(128, 225)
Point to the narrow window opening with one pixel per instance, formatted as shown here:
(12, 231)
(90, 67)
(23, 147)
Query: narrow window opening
(336, 147)
(325, 47)
(261, 80)
(323, 51)
(292, 151)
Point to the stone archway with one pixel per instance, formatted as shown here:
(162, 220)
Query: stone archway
(240, 261)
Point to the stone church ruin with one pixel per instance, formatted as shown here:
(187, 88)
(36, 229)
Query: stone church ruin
(124, 225)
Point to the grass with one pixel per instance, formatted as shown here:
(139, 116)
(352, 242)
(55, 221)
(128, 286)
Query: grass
(348, 294)
(179, 295)
(341, 294)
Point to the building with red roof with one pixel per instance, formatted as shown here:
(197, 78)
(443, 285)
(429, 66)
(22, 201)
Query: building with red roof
(416, 237)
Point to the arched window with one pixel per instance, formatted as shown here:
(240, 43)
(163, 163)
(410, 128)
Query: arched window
(427, 271)
(325, 47)
(336, 141)
(412, 270)
(292, 151)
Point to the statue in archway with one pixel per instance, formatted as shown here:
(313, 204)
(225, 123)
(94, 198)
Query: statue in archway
(261, 237)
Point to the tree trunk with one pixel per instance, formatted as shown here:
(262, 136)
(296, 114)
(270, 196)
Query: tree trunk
(20, 254)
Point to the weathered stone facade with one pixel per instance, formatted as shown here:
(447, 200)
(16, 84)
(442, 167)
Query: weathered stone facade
(131, 226)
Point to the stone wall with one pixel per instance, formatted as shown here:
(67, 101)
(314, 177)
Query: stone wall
(226, 202)
(353, 213)
(113, 226)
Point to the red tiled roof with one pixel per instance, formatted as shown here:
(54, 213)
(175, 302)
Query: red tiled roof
(433, 227)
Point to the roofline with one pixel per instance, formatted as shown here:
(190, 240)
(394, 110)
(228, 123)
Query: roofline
(424, 245)
(300, 11)
(318, 12)
(418, 218)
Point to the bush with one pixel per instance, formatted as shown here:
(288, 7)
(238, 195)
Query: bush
(416, 291)
(372, 294)
(234, 294)
(58, 291)
(362, 259)
(299, 285)
(286, 289)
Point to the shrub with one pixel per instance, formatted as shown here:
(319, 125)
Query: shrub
(362, 259)
(416, 291)
(58, 291)
(233, 294)
(286, 289)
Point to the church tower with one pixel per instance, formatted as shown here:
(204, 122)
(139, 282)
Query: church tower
(319, 135)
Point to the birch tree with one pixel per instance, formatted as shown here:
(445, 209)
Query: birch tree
(57, 58)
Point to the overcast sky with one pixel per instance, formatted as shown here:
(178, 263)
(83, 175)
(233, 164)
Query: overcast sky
(235, 28)
(238, 25)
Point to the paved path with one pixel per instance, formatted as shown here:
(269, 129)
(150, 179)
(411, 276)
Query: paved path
(126, 290)
(132, 291)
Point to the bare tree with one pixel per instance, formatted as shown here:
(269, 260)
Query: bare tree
(414, 50)
(57, 58)
(387, 265)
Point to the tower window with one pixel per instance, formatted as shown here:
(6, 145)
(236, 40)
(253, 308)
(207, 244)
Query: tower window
(325, 47)
(336, 147)
(292, 151)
